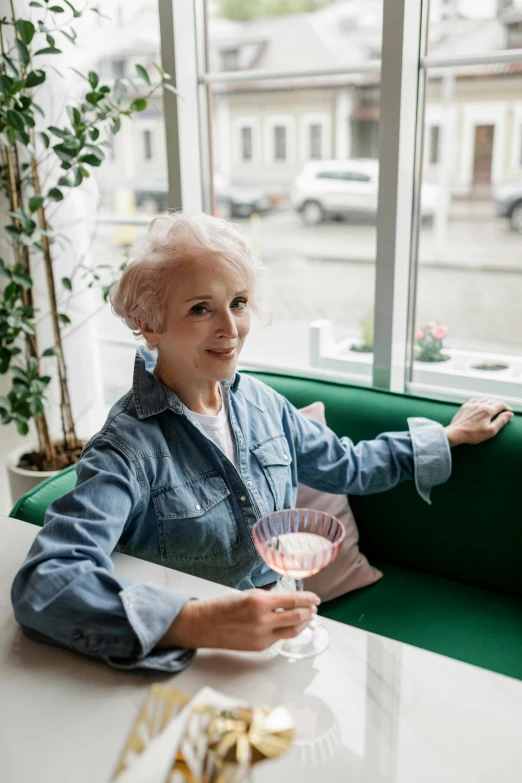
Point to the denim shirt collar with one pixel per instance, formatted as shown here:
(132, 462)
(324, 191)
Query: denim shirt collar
(151, 395)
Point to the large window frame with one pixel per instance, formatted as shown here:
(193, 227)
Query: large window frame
(403, 67)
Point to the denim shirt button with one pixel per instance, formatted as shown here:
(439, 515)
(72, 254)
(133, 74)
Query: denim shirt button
(198, 507)
(285, 456)
(249, 483)
(242, 498)
(241, 441)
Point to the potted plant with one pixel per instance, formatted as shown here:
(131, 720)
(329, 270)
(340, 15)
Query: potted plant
(42, 159)
(429, 343)
(366, 345)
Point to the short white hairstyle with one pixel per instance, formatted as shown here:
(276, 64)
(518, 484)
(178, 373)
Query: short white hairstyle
(173, 241)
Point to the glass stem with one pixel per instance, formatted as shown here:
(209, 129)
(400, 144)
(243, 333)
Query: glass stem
(299, 585)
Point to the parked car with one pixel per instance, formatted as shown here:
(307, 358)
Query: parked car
(508, 203)
(338, 188)
(231, 200)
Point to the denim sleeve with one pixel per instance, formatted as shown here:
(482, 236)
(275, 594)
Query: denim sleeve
(66, 593)
(332, 464)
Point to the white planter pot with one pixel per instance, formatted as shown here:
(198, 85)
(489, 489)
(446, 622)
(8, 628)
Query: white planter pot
(21, 480)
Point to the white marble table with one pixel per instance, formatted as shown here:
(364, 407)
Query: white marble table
(368, 709)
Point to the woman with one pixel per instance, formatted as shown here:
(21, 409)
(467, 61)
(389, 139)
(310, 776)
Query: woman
(188, 460)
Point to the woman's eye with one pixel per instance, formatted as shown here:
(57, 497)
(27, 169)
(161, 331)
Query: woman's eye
(239, 304)
(198, 310)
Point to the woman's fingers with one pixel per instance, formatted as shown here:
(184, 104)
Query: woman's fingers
(289, 633)
(501, 420)
(291, 600)
(293, 617)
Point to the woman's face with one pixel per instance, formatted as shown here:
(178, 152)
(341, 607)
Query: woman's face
(207, 321)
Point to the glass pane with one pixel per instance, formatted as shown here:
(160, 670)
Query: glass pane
(295, 166)
(292, 34)
(470, 251)
(132, 182)
(459, 27)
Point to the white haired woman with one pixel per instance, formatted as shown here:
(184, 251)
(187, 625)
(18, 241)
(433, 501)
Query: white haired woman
(188, 460)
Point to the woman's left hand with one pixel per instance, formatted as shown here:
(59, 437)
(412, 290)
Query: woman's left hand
(477, 421)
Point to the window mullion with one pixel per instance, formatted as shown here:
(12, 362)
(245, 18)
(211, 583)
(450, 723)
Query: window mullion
(397, 137)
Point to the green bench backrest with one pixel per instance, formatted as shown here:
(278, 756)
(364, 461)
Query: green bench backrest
(471, 533)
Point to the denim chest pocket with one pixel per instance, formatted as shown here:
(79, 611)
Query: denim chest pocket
(275, 459)
(195, 520)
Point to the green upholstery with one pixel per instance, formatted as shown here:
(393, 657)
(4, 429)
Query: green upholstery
(32, 506)
(452, 571)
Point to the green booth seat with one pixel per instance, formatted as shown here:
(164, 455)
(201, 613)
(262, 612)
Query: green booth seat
(452, 570)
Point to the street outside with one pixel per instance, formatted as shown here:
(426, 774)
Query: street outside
(473, 284)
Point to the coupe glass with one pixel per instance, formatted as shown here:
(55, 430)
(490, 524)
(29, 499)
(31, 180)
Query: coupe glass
(299, 542)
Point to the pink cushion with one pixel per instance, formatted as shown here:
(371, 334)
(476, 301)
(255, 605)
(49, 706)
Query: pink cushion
(350, 570)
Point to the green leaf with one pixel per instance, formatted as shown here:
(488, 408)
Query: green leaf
(119, 91)
(74, 116)
(49, 50)
(55, 194)
(60, 132)
(97, 11)
(94, 133)
(138, 104)
(73, 9)
(93, 79)
(22, 427)
(25, 30)
(34, 4)
(56, 9)
(12, 66)
(64, 319)
(143, 73)
(24, 281)
(72, 38)
(50, 351)
(23, 52)
(35, 202)
(116, 125)
(94, 97)
(50, 41)
(161, 71)
(16, 119)
(45, 139)
(66, 282)
(34, 78)
(91, 160)
(64, 153)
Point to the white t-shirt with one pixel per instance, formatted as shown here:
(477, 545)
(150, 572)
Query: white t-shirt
(219, 429)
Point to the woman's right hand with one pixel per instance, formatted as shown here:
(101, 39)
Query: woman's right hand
(247, 620)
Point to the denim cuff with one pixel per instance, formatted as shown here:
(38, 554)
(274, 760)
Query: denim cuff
(151, 610)
(431, 455)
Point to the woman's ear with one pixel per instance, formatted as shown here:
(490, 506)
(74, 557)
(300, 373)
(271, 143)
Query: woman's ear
(152, 338)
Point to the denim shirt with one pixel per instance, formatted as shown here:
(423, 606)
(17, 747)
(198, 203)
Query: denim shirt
(152, 485)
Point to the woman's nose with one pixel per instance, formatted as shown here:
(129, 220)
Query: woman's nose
(227, 324)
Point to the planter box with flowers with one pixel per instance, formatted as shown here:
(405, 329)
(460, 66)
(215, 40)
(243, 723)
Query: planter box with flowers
(434, 365)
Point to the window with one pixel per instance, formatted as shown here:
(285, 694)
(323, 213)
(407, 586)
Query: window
(316, 141)
(514, 35)
(230, 59)
(434, 137)
(520, 145)
(279, 142)
(147, 145)
(246, 144)
(118, 68)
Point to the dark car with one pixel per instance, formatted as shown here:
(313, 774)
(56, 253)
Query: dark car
(508, 203)
(231, 200)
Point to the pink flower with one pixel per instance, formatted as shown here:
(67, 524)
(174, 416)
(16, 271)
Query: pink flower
(431, 324)
(419, 334)
(440, 332)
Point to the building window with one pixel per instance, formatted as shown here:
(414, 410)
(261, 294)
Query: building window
(514, 35)
(246, 144)
(230, 59)
(434, 142)
(280, 142)
(147, 145)
(316, 141)
(118, 68)
(520, 148)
